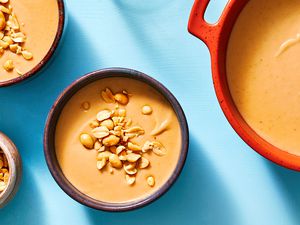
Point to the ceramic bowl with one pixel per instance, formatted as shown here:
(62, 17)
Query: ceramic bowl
(216, 37)
(15, 169)
(49, 147)
(45, 61)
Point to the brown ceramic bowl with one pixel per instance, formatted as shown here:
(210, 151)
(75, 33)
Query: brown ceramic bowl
(48, 57)
(49, 134)
(15, 169)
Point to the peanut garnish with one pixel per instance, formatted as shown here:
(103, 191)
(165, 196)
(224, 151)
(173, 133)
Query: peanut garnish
(87, 141)
(4, 44)
(108, 96)
(122, 112)
(1, 51)
(97, 145)
(21, 38)
(19, 72)
(119, 149)
(101, 163)
(108, 123)
(100, 132)
(8, 40)
(115, 161)
(13, 47)
(135, 131)
(121, 98)
(113, 149)
(158, 148)
(130, 179)
(86, 105)
(5, 10)
(9, 65)
(4, 171)
(112, 136)
(144, 163)
(103, 155)
(27, 55)
(151, 181)
(132, 157)
(155, 146)
(103, 115)
(130, 168)
(94, 124)
(12, 38)
(111, 140)
(147, 110)
(134, 147)
(2, 21)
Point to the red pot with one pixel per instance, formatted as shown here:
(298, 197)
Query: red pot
(216, 37)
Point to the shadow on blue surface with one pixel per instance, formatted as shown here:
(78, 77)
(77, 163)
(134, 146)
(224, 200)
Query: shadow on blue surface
(198, 197)
(23, 119)
(146, 7)
(26, 207)
(288, 182)
(152, 40)
(33, 99)
(75, 58)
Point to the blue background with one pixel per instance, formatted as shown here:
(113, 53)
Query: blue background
(223, 182)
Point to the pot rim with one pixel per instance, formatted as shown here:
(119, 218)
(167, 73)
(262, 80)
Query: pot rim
(35, 70)
(50, 126)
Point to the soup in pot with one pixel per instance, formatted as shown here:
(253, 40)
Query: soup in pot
(263, 70)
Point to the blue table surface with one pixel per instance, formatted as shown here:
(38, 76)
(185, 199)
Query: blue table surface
(223, 182)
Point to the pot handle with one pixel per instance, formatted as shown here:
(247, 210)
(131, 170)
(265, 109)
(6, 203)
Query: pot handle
(199, 27)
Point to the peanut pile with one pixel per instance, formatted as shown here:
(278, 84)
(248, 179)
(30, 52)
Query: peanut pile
(112, 136)
(4, 171)
(11, 37)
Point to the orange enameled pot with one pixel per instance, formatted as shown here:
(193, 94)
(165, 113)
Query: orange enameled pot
(216, 37)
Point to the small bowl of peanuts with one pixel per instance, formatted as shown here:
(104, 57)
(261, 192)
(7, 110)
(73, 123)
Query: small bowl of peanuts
(116, 140)
(10, 170)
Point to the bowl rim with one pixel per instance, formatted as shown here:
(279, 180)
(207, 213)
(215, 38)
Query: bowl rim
(15, 168)
(49, 149)
(50, 53)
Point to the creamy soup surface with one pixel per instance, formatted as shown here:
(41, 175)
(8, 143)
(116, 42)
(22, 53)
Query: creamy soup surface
(39, 21)
(79, 164)
(263, 70)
